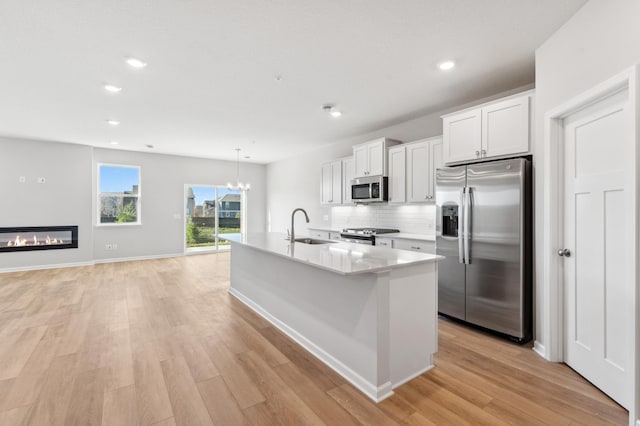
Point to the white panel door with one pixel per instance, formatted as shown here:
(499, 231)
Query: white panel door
(505, 127)
(348, 173)
(376, 158)
(418, 172)
(397, 175)
(361, 159)
(336, 182)
(462, 135)
(326, 184)
(598, 211)
(435, 162)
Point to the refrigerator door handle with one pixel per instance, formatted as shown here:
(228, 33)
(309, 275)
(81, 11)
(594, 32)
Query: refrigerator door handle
(467, 225)
(460, 228)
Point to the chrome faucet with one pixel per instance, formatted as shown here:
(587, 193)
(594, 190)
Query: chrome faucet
(306, 216)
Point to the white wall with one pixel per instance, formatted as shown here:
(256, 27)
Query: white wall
(599, 41)
(68, 198)
(295, 182)
(65, 198)
(162, 197)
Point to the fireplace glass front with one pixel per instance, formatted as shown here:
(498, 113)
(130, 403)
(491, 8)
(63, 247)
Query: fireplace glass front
(38, 238)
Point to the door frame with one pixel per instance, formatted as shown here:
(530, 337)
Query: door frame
(552, 282)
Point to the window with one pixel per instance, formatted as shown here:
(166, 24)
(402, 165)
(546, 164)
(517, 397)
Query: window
(118, 194)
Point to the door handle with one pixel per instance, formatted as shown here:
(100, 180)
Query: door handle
(467, 226)
(460, 229)
(564, 253)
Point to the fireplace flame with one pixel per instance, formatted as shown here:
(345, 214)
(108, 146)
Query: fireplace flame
(21, 242)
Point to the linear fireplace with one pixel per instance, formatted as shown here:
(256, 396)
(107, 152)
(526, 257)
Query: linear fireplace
(29, 238)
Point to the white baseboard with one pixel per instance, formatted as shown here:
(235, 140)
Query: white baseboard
(134, 258)
(539, 349)
(413, 376)
(40, 267)
(90, 262)
(376, 393)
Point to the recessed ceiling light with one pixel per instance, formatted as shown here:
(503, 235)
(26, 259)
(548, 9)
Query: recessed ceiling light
(446, 65)
(331, 110)
(136, 63)
(114, 142)
(112, 88)
(113, 122)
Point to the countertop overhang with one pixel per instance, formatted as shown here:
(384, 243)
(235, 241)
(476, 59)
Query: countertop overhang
(339, 257)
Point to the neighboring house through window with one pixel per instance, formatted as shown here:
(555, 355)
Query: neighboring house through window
(118, 194)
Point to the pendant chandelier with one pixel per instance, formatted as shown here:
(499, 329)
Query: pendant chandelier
(239, 185)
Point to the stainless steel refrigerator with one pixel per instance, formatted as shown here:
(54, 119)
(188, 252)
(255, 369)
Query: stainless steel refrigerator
(483, 228)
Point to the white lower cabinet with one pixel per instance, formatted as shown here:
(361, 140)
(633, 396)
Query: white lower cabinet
(407, 244)
(415, 245)
(384, 242)
(324, 234)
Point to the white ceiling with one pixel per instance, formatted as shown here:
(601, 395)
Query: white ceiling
(211, 86)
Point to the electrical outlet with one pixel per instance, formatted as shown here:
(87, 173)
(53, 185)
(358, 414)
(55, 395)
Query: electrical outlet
(108, 247)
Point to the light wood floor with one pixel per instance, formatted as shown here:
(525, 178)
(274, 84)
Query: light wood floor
(162, 342)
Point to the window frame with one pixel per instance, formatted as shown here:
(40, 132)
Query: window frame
(216, 248)
(138, 196)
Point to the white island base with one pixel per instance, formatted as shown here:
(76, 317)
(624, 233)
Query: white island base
(376, 329)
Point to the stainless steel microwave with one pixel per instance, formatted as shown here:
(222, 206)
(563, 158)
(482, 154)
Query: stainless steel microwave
(369, 189)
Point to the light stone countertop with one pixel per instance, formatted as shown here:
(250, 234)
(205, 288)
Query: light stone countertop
(339, 257)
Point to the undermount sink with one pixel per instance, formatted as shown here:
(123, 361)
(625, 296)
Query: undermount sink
(313, 241)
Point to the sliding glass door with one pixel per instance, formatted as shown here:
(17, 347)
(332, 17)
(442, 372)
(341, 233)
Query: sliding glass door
(209, 212)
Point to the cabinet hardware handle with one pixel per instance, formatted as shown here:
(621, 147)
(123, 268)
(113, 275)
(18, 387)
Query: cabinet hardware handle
(484, 152)
(564, 252)
(415, 247)
(477, 153)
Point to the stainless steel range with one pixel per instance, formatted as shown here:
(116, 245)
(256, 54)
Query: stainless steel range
(364, 235)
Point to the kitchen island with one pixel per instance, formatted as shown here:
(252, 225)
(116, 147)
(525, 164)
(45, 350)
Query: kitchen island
(369, 313)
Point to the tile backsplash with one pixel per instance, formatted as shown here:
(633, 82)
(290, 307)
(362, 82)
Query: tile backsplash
(411, 218)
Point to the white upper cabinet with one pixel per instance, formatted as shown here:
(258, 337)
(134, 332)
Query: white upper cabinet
(496, 129)
(412, 171)
(397, 174)
(331, 183)
(348, 173)
(436, 162)
(370, 157)
(418, 172)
